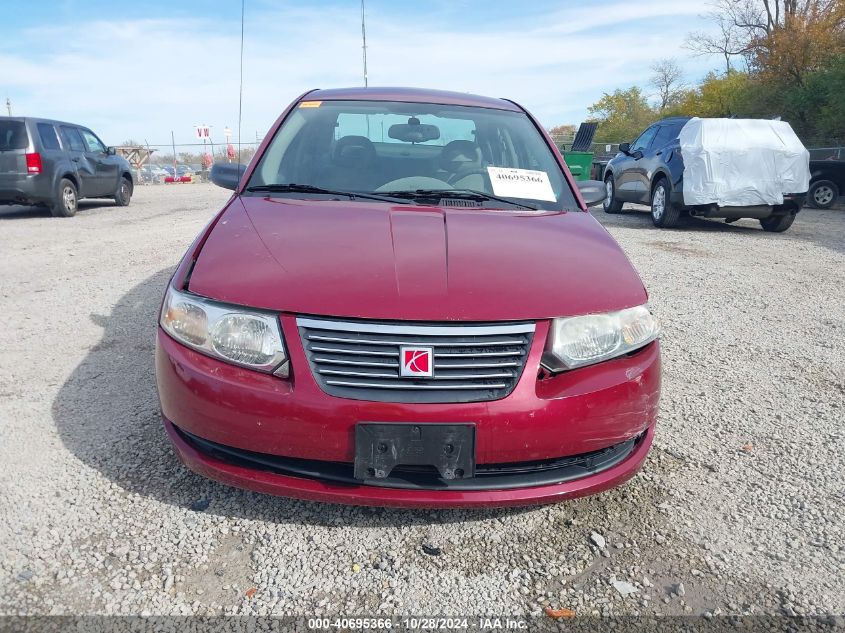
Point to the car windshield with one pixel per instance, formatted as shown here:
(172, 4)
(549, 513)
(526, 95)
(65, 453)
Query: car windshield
(420, 151)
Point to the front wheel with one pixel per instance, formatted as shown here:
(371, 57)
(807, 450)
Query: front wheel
(663, 213)
(823, 193)
(777, 223)
(124, 192)
(610, 204)
(67, 200)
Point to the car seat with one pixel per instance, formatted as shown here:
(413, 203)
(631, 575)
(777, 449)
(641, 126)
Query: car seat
(461, 160)
(353, 159)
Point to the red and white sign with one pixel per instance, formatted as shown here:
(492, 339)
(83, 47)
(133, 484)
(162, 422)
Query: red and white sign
(417, 362)
(203, 131)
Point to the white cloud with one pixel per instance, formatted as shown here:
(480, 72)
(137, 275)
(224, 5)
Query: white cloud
(142, 78)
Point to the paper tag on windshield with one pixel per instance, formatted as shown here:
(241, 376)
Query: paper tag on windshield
(521, 183)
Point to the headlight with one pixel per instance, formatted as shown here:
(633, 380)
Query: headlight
(584, 340)
(231, 333)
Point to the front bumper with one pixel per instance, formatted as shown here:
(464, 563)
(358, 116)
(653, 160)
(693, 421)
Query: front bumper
(313, 489)
(573, 413)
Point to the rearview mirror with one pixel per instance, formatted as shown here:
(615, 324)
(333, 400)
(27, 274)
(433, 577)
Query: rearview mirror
(227, 175)
(592, 191)
(624, 148)
(413, 131)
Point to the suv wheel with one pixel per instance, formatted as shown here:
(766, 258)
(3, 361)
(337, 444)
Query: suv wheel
(823, 194)
(124, 192)
(777, 223)
(610, 204)
(67, 200)
(663, 213)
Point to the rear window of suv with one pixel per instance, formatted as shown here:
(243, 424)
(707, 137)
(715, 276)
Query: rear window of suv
(13, 135)
(49, 139)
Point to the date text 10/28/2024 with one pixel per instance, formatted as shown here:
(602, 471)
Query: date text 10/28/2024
(419, 623)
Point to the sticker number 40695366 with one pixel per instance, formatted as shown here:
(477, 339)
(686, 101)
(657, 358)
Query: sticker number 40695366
(521, 183)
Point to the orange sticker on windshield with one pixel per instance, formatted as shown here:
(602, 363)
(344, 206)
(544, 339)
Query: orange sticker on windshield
(310, 104)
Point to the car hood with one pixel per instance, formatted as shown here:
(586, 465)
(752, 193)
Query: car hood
(382, 261)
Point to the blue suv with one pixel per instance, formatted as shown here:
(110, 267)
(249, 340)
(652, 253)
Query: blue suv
(650, 171)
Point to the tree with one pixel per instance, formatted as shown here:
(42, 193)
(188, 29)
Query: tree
(621, 115)
(717, 96)
(782, 38)
(562, 130)
(668, 80)
(805, 43)
(726, 42)
(562, 134)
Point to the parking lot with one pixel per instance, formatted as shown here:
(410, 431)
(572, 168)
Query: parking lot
(739, 508)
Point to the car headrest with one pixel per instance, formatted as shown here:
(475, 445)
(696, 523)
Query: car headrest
(354, 151)
(460, 156)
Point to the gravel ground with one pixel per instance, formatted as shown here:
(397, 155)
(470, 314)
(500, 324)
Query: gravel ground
(738, 509)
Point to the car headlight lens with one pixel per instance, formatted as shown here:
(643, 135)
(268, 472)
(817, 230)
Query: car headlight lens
(244, 339)
(584, 340)
(232, 333)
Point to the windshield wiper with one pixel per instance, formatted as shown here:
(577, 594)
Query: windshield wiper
(293, 187)
(461, 194)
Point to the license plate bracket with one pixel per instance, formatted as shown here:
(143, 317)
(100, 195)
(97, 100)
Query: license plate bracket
(380, 447)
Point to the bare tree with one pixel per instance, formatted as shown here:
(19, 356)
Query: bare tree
(668, 80)
(726, 41)
(739, 23)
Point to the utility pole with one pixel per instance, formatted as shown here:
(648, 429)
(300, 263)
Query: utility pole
(173, 142)
(364, 40)
(9, 102)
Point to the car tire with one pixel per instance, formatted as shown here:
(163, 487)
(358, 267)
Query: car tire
(611, 204)
(66, 203)
(822, 194)
(124, 192)
(777, 223)
(664, 214)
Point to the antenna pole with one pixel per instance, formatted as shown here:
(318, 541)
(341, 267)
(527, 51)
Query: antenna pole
(241, 82)
(364, 40)
(9, 101)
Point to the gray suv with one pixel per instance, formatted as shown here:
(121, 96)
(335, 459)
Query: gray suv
(51, 163)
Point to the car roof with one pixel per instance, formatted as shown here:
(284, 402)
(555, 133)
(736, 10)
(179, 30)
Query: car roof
(40, 120)
(410, 95)
(672, 119)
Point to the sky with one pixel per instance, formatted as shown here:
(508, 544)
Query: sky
(140, 70)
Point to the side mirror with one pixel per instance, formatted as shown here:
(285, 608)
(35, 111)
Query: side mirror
(637, 154)
(110, 151)
(625, 148)
(593, 192)
(227, 175)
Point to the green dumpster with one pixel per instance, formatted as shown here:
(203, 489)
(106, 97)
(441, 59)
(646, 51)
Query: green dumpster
(579, 163)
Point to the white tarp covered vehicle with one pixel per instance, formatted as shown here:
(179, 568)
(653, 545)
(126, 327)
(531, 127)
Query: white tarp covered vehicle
(714, 168)
(742, 162)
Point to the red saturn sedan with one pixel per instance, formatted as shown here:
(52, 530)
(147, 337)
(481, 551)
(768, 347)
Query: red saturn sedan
(406, 303)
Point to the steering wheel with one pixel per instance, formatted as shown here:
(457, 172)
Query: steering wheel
(463, 174)
(414, 182)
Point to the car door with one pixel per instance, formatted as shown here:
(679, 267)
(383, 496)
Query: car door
(657, 155)
(86, 171)
(633, 182)
(106, 167)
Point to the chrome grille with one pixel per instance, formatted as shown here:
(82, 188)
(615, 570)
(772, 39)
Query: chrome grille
(360, 359)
